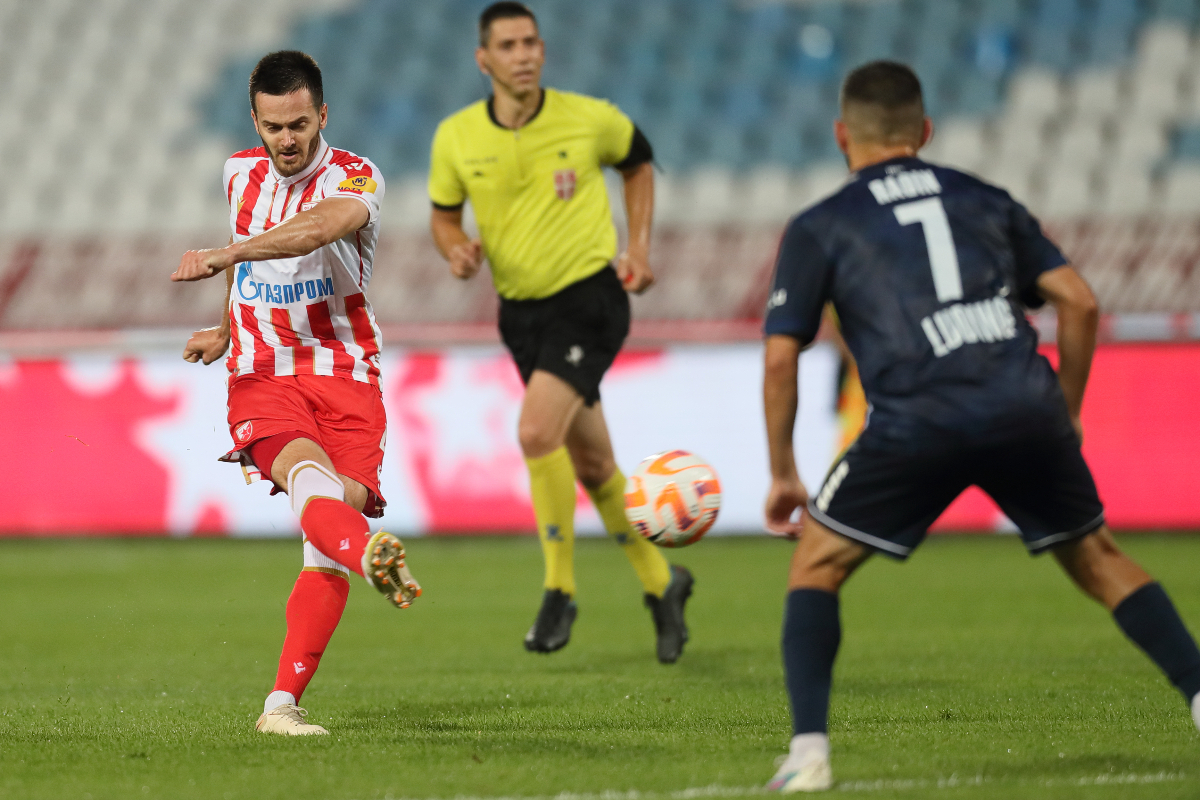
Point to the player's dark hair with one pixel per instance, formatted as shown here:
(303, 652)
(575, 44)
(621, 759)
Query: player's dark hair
(883, 101)
(284, 72)
(505, 9)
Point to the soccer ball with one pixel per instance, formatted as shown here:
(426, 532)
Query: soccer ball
(672, 498)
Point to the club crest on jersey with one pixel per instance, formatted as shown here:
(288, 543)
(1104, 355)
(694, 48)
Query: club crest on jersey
(244, 431)
(564, 183)
(358, 184)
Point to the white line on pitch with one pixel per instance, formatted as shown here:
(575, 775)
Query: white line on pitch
(685, 794)
(1123, 778)
(955, 782)
(952, 782)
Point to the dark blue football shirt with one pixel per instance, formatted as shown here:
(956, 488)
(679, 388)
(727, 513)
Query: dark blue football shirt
(929, 270)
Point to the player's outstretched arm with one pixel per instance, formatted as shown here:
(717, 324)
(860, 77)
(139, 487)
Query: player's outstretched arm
(1078, 318)
(209, 344)
(780, 401)
(328, 221)
(633, 267)
(464, 253)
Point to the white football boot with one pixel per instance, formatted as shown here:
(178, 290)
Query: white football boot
(288, 720)
(1196, 710)
(806, 768)
(383, 566)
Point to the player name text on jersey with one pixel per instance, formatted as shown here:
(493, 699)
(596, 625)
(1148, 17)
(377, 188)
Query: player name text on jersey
(904, 185)
(988, 320)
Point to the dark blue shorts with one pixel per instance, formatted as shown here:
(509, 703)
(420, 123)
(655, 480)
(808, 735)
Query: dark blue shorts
(886, 492)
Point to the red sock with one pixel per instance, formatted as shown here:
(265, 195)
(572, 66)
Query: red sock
(337, 530)
(313, 612)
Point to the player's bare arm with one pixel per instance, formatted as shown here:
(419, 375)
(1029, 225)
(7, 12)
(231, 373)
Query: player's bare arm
(1078, 318)
(328, 221)
(464, 254)
(780, 401)
(208, 344)
(633, 266)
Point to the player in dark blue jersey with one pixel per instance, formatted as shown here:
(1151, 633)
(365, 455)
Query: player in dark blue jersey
(929, 271)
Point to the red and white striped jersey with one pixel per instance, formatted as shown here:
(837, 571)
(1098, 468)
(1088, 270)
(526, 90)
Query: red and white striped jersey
(307, 315)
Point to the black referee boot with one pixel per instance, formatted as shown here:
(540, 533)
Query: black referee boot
(552, 629)
(668, 614)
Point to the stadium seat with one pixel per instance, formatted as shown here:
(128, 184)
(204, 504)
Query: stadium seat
(1082, 107)
(1185, 145)
(1017, 137)
(770, 197)
(1067, 191)
(959, 143)
(1164, 48)
(1128, 191)
(823, 179)
(1181, 190)
(1080, 145)
(1096, 94)
(1177, 11)
(1139, 144)
(1015, 174)
(1155, 97)
(877, 31)
(1035, 95)
(712, 195)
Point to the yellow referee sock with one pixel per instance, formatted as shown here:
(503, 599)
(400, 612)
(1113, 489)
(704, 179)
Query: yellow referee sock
(552, 487)
(651, 568)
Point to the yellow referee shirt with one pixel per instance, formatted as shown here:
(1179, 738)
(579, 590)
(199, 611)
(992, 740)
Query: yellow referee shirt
(537, 192)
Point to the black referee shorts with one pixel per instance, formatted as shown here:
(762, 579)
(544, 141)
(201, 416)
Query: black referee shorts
(885, 493)
(574, 334)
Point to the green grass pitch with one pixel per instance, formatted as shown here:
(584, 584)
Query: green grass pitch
(136, 669)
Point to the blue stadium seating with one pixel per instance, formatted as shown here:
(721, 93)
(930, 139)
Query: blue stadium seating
(1185, 145)
(710, 81)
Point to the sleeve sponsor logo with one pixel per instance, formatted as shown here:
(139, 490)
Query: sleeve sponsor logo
(358, 185)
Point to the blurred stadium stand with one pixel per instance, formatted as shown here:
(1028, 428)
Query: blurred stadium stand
(124, 110)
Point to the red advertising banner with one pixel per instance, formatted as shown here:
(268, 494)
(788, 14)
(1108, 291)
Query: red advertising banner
(1141, 429)
(97, 445)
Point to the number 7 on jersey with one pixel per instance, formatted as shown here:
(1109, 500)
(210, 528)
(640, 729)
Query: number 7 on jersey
(943, 258)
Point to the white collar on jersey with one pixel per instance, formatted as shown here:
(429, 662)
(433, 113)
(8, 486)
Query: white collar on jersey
(322, 155)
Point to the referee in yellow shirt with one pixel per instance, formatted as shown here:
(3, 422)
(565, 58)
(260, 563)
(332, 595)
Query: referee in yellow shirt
(530, 162)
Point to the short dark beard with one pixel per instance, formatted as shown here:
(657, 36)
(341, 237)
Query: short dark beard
(312, 153)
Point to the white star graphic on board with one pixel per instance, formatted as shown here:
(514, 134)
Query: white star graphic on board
(472, 414)
(188, 444)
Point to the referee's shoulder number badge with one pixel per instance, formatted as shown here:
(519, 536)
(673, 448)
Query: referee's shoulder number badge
(564, 183)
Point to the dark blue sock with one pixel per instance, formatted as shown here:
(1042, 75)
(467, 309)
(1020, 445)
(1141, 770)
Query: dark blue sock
(812, 631)
(1149, 618)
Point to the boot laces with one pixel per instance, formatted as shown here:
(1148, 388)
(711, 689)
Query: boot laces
(294, 713)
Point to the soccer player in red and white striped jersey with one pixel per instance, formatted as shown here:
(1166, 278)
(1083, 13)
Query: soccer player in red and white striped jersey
(304, 401)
